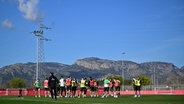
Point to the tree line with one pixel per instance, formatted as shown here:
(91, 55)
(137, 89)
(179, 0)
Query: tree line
(20, 83)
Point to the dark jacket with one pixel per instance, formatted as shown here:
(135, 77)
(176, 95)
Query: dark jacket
(53, 81)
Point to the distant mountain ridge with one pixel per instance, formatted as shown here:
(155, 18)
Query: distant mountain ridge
(166, 73)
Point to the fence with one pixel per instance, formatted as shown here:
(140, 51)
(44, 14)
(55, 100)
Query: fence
(156, 87)
(31, 92)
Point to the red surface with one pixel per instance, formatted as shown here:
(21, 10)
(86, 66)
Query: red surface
(31, 92)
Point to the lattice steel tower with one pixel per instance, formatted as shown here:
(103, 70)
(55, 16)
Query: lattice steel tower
(40, 50)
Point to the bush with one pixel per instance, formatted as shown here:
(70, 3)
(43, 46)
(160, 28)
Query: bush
(17, 83)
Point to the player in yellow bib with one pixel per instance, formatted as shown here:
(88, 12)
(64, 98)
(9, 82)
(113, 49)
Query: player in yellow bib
(82, 87)
(74, 87)
(137, 83)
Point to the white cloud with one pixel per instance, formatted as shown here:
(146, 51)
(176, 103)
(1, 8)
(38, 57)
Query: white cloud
(29, 9)
(7, 24)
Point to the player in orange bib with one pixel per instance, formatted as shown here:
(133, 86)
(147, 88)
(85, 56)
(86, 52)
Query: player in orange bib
(91, 85)
(111, 87)
(95, 88)
(117, 88)
(46, 87)
(68, 84)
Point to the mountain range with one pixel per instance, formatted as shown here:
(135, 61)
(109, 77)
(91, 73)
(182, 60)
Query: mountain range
(163, 73)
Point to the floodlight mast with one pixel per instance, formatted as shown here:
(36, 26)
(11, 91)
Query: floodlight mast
(40, 49)
(123, 73)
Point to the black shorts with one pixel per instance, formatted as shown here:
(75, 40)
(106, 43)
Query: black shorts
(117, 88)
(37, 88)
(95, 88)
(82, 89)
(62, 88)
(46, 89)
(68, 88)
(134, 87)
(92, 88)
(74, 88)
(137, 88)
(106, 88)
(111, 88)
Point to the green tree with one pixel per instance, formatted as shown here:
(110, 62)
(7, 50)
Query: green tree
(145, 80)
(17, 83)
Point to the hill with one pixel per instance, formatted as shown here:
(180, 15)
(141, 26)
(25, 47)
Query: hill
(165, 73)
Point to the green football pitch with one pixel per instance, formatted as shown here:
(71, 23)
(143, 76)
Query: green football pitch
(127, 99)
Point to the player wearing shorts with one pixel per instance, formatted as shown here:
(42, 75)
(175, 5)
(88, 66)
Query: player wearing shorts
(106, 88)
(134, 87)
(74, 87)
(82, 87)
(117, 88)
(68, 84)
(46, 87)
(91, 85)
(111, 87)
(37, 88)
(95, 88)
(138, 87)
(62, 87)
(86, 86)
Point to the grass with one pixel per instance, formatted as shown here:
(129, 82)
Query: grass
(126, 99)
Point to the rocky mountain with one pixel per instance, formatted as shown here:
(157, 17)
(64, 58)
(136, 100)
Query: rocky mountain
(165, 73)
(182, 68)
(25, 71)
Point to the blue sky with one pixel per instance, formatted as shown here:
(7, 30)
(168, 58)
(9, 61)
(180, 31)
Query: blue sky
(146, 30)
